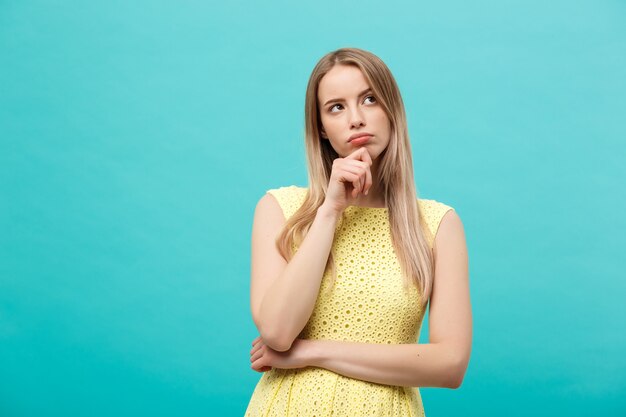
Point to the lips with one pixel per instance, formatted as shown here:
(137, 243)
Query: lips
(361, 140)
(359, 135)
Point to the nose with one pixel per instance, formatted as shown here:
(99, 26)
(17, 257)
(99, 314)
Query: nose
(356, 119)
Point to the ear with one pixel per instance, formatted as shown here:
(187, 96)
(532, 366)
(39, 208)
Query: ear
(323, 133)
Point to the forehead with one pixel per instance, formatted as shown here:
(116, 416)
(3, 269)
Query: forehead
(341, 81)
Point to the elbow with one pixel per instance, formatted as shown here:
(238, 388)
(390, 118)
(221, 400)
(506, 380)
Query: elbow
(277, 343)
(274, 339)
(276, 335)
(455, 381)
(456, 373)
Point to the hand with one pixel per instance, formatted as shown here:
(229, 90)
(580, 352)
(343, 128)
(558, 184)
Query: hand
(350, 176)
(264, 358)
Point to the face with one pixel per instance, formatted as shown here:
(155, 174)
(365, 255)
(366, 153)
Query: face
(347, 107)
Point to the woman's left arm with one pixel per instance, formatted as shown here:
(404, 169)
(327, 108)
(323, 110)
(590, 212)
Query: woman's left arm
(440, 363)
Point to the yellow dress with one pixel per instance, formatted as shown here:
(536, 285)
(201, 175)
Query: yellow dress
(368, 304)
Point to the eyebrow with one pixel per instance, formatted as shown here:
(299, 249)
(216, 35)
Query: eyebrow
(367, 90)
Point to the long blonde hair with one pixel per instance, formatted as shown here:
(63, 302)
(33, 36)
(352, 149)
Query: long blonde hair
(395, 172)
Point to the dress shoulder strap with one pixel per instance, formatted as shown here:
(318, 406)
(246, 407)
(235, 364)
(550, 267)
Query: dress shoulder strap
(290, 198)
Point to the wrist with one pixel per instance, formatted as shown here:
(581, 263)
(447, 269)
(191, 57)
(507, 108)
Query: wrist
(327, 212)
(314, 353)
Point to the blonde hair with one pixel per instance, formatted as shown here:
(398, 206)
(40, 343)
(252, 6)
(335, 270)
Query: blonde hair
(395, 172)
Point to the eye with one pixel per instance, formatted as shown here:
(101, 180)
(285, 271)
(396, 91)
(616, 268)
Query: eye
(372, 97)
(332, 107)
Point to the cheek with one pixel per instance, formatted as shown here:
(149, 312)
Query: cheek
(383, 121)
(330, 125)
(380, 116)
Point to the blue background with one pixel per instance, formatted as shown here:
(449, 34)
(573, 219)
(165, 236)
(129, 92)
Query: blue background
(137, 137)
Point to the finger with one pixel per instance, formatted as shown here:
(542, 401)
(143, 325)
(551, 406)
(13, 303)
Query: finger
(368, 180)
(368, 172)
(361, 165)
(349, 176)
(356, 154)
(256, 355)
(256, 347)
(362, 169)
(365, 156)
(258, 364)
(361, 155)
(256, 340)
(351, 165)
(355, 178)
(262, 369)
(356, 186)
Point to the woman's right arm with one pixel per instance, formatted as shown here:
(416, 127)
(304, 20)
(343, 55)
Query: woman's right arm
(283, 294)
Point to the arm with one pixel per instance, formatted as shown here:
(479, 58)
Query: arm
(283, 294)
(409, 365)
(440, 363)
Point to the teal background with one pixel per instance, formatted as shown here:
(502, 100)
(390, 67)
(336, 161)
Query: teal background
(137, 137)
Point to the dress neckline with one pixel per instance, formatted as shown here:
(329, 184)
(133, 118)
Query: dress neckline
(366, 207)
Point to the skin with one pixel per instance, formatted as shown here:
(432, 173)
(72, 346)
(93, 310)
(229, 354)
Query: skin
(347, 108)
(443, 361)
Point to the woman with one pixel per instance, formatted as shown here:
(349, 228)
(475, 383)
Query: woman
(342, 271)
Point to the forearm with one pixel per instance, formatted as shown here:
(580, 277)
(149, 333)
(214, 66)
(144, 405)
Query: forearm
(289, 302)
(413, 365)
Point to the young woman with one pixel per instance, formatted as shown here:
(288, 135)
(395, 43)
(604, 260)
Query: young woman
(342, 271)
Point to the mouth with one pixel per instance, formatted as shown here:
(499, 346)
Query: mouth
(360, 136)
(361, 140)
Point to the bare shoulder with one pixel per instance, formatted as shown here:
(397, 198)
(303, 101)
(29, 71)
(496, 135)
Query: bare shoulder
(268, 209)
(451, 233)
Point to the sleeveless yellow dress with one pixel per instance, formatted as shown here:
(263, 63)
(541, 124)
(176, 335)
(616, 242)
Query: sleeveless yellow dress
(368, 304)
